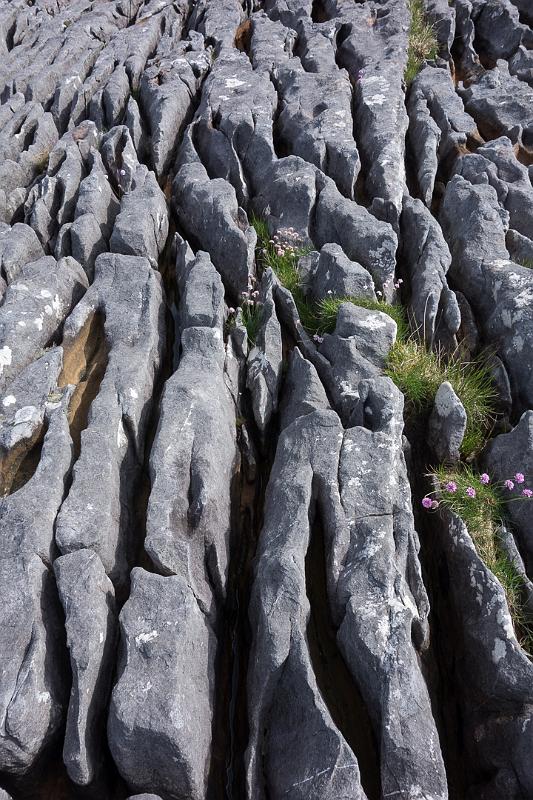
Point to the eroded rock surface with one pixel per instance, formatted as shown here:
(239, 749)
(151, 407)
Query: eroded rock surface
(215, 581)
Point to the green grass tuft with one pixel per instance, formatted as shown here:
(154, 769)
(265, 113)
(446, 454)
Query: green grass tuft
(418, 373)
(483, 516)
(423, 44)
(525, 262)
(251, 317)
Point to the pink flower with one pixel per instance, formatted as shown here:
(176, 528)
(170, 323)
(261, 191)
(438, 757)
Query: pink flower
(519, 478)
(509, 485)
(427, 502)
(484, 478)
(231, 311)
(527, 492)
(451, 487)
(471, 492)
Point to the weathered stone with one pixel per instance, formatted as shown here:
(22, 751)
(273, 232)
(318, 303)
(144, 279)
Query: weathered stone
(141, 226)
(502, 105)
(314, 121)
(191, 464)
(88, 598)
(433, 306)
(493, 676)
(263, 376)
(167, 89)
(334, 274)
(115, 337)
(506, 455)
(496, 164)
(32, 650)
(18, 246)
(35, 306)
(447, 425)
(159, 727)
(499, 291)
(208, 211)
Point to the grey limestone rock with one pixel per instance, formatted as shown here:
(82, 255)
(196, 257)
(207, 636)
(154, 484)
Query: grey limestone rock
(499, 291)
(447, 425)
(263, 371)
(141, 226)
(88, 600)
(18, 246)
(333, 273)
(35, 306)
(223, 231)
(160, 717)
(121, 319)
(494, 673)
(191, 464)
(506, 455)
(434, 308)
(34, 687)
(502, 105)
(167, 89)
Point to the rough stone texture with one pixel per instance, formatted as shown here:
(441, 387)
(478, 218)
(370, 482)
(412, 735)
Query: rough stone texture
(433, 305)
(35, 305)
(499, 291)
(502, 105)
(159, 727)
(447, 424)
(224, 231)
(237, 478)
(494, 674)
(88, 600)
(332, 273)
(124, 307)
(34, 687)
(263, 377)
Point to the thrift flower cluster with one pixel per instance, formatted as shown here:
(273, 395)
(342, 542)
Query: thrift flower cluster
(509, 484)
(286, 242)
(396, 285)
(249, 298)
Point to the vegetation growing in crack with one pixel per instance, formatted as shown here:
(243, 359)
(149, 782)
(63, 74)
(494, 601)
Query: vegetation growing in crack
(418, 373)
(328, 309)
(281, 254)
(251, 311)
(480, 503)
(423, 44)
(525, 262)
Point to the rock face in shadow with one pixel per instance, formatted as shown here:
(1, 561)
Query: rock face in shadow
(221, 221)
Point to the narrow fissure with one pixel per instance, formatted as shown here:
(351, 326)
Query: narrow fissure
(19, 465)
(84, 366)
(335, 682)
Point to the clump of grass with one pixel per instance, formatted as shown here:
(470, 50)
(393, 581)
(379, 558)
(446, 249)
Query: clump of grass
(251, 317)
(525, 262)
(328, 309)
(418, 373)
(281, 254)
(423, 44)
(480, 504)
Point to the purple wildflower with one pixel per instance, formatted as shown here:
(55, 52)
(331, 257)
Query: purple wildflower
(471, 492)
(527, 492)
(485, 478)
(509, 485)
(519, 478)
(427, 502)
(451, 487)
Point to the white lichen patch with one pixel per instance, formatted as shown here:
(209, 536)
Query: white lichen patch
(9, 400)
(5, 357)
(143, 638)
